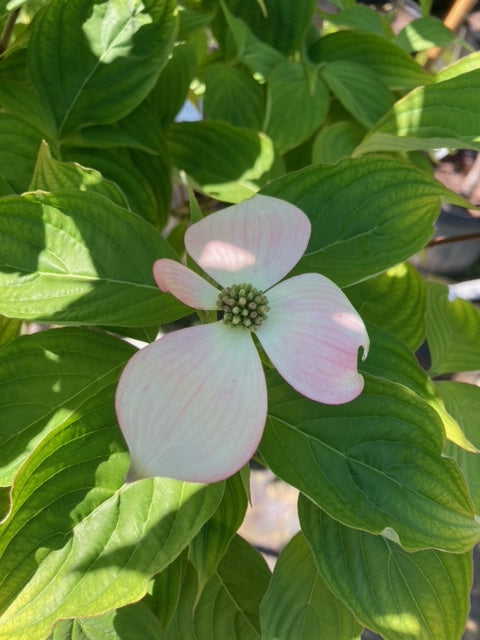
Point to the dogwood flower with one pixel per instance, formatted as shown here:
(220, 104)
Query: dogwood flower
(193, 404)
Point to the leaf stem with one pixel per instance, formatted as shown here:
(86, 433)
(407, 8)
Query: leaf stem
(8, 30)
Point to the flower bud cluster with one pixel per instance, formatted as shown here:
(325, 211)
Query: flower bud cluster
(243, 306)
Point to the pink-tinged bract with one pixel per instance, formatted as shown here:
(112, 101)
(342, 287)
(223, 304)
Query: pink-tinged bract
(193, 404)
(258, 241)
(312, 337)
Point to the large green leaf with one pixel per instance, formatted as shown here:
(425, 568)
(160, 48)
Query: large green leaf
(375, 463)
(453, 332)
(134, 622)
(224, 161)
(45, 379)
(94, 62)
(229, 604)
(359, 89)
(367, 214)
(394, 301)
(444, 114)
(298, 102)
(393, 65)
(76, 257)
(403, 596)
(78, 542)
(53, 175)
(298, 604)
(335, 141)
(233, 95)
(462, 401)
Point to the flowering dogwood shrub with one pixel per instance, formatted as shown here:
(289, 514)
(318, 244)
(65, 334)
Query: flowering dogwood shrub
(258, 253)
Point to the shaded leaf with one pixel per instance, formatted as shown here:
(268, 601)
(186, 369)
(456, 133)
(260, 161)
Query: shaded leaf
(453, 332)
(298, 604)
(19, 145)
(359, 89)
(298, 102)
(462, 401)
(403, 596)
(375, 463)
(394, 66)
(229, 604)
(226, 162)
(53, 175)
(336, 141)
(424, 33)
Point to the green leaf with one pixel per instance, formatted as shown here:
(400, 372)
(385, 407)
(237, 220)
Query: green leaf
(359, 89)
(52, 175)
(134, 622)
(367, 214)
(19, 145)
(173, 83)
(444, 114)
(390, 359)
(233, 95)
(79, 543)
(197, 148)
(45, 379)
(375, 463)
(298, 604)
(76, 257)
(464, 65)
(360, 18)
(298, 102)
(424, 33)
(166, 589)
(143, 178)
(258, 56)
(453, 332)
(229, 604)
(279, 23)
(394, 66)
(336, 141)
(94, 62)
(394, 301)
(211, 543)
(403, 596)
(462, 401)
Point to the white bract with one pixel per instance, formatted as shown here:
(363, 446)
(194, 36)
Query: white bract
(193, 404)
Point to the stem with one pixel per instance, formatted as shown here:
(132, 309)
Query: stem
(447, 240)
(8, 30)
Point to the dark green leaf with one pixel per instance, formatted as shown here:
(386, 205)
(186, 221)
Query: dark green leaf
(298, 604)
(403, 596)
(424, 33)
(19, 145)
(297, 104)
(375, 463)
(225, 162)
(453, 332)
(52, 175)
(393, 65)
(367, 214)
(336, 141)
(394, 301)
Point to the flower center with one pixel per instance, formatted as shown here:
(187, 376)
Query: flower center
(243, 306)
